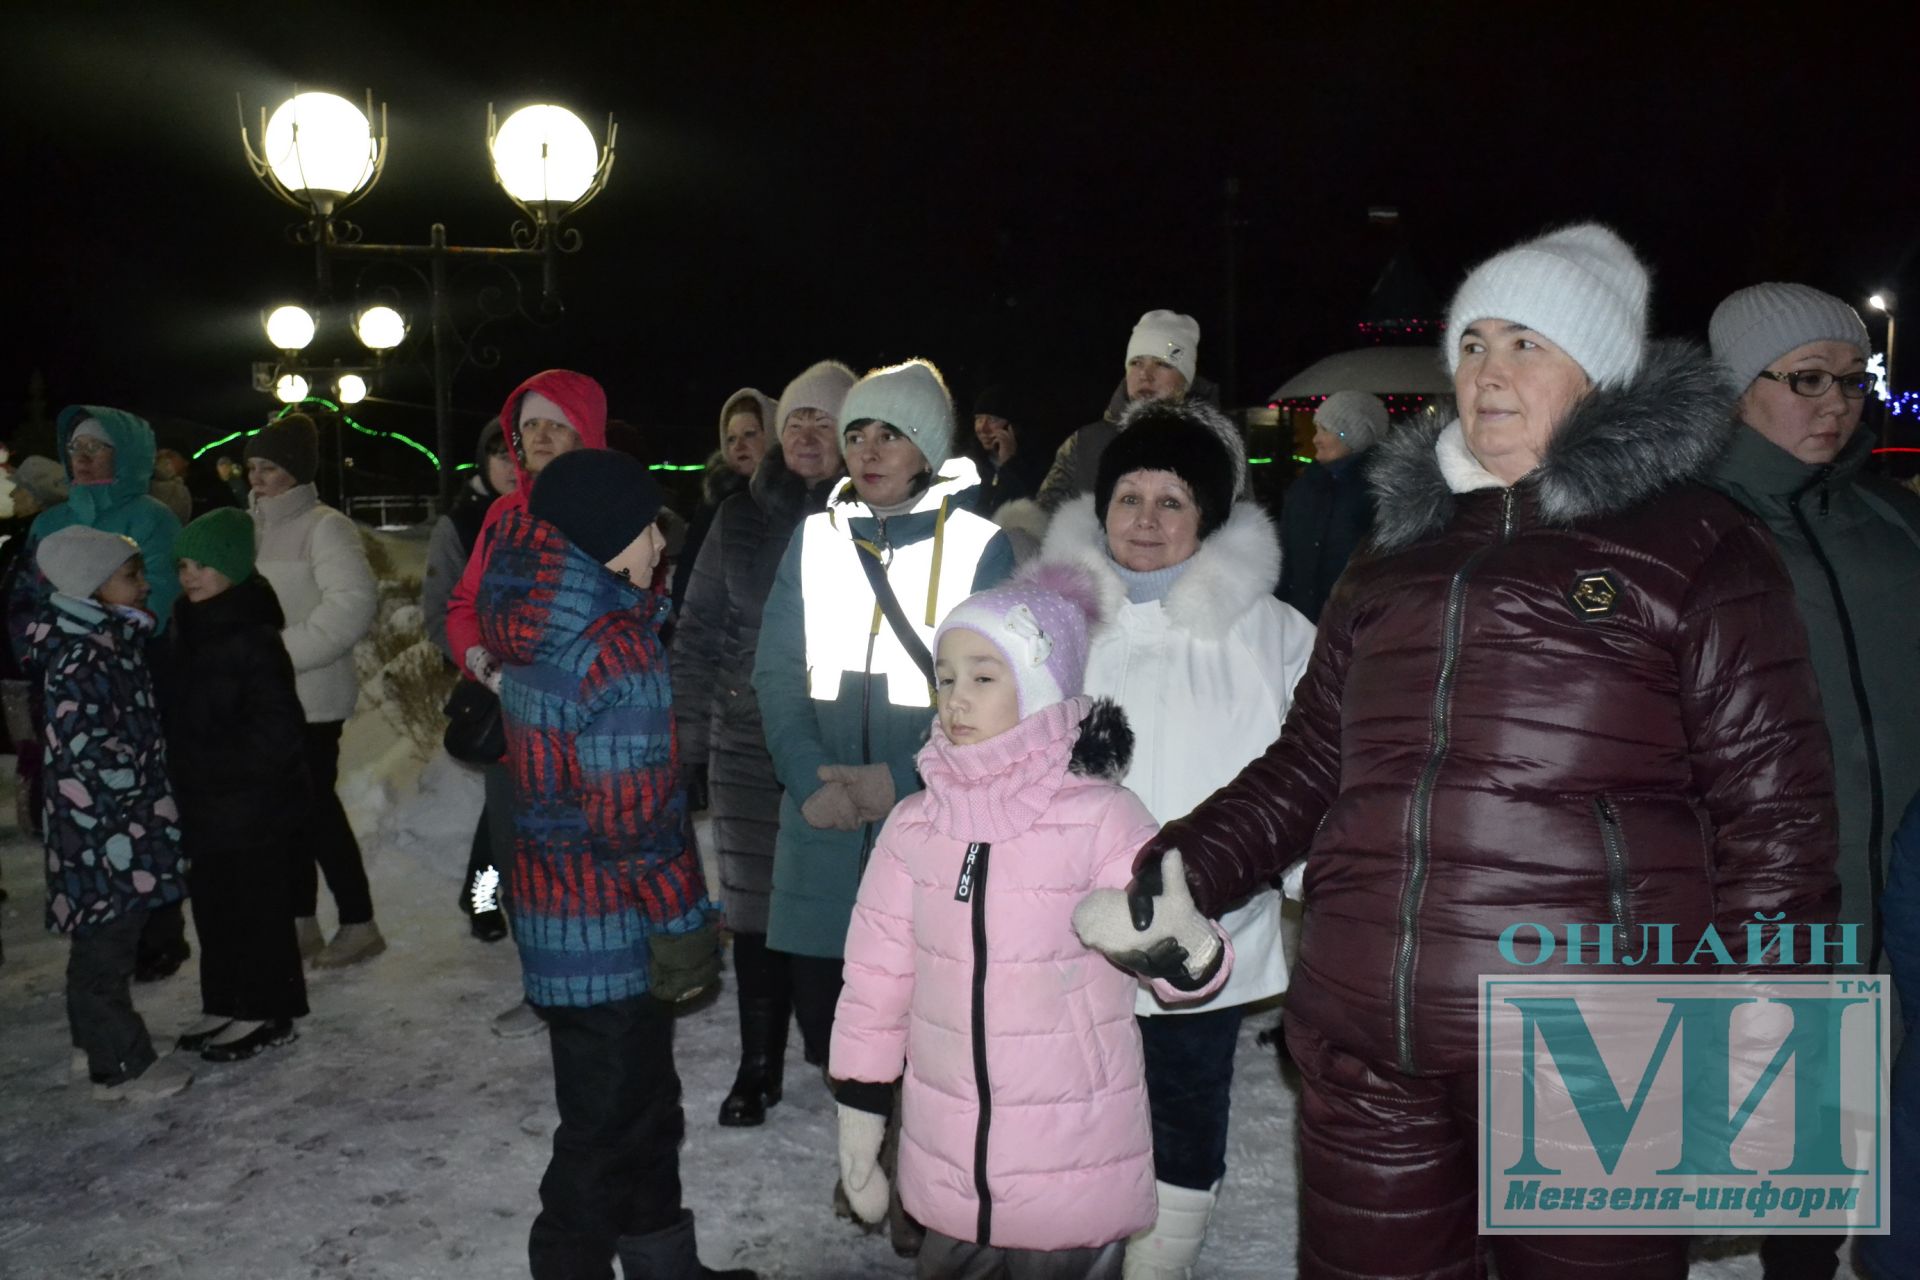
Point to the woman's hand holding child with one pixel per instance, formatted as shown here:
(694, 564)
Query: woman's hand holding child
(1152, 927)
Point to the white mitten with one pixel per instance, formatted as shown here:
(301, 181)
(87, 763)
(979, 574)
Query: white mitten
(866, 1187)
(483, 667)
(1153, 927)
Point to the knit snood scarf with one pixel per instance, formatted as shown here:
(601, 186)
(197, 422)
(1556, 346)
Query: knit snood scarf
(997, 789)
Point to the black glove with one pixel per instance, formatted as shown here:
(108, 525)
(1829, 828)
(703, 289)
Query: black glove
(697, 798)
(1179, 947)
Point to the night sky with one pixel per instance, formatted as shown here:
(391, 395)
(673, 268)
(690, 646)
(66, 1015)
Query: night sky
(1002, 190)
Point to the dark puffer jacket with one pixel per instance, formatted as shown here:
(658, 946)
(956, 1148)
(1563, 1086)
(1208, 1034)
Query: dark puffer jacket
(1325, 519)
(113, 826)
(234, 723)
(1585, 698)
(713, 699)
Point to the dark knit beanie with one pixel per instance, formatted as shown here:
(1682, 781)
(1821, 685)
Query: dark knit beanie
(290, 442)
(1169, 440)
(600, 499)
(221, 539)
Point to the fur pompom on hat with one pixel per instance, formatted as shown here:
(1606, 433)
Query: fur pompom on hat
(911, 397)
(1039, 622)
(1168, 337)
(601, 500)
(1580, 287)
(221, 539)
(1759, 324)
(290, 442)
(1196, 442)
(78, 558)
(1357, 418)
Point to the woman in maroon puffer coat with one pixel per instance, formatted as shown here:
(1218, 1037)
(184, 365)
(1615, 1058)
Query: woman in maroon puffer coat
(1565, 684)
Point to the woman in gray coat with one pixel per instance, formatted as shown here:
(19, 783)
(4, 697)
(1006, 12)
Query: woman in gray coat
(719, 717)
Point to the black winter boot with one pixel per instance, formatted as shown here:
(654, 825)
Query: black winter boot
(763, 1058)
(671, 1254)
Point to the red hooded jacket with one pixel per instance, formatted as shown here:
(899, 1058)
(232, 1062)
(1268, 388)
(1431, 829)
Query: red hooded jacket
(585, 405)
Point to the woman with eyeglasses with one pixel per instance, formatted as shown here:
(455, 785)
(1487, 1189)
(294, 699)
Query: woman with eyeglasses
(1851, 540)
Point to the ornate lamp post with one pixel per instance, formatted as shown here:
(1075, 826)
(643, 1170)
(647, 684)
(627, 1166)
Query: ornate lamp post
(320, 154)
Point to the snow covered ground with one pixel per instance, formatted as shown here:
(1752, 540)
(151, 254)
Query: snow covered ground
(399, 1139)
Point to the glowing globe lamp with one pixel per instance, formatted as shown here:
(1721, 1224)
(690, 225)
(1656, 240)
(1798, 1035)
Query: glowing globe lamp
(545, 155)
(380, 328)
(321, 144)
(290, 328)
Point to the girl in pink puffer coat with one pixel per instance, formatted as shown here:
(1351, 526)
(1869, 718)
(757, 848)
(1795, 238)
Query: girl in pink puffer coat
(1024, 1123)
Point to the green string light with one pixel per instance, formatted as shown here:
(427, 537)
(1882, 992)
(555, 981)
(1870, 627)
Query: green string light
(345, 417)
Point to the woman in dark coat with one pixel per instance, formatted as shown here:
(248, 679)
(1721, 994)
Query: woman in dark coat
(234, 733)
(1565, 684)
(719, 717)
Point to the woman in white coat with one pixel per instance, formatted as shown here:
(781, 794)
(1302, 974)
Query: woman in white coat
(313, 557)
(1203, 659)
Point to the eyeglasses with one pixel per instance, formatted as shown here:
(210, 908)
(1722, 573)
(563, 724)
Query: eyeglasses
(87, 447)
(1814, 382)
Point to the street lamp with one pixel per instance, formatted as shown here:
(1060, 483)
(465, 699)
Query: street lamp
(1883, 303)
(291, 388)
(380, 328)
(351, 387)
(289, 328)
(320, 153)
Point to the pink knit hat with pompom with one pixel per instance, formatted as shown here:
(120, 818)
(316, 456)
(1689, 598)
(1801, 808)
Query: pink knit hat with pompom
(1039, 622)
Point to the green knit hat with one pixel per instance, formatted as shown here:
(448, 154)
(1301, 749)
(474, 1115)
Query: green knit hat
(221, 539)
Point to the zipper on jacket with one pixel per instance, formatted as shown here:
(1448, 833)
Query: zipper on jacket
(1876, 867)
(1613, 842)
(1420, 822)
(972, 889)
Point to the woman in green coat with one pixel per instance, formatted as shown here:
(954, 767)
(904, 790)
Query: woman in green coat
(843, 693)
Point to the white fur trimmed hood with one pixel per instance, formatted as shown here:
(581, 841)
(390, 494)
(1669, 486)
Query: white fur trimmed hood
(1233, 568)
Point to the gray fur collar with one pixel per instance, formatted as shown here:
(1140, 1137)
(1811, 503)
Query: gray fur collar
(1618, 448)
(1237, 565)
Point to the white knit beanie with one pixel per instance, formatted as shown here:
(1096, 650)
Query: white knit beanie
(1357, 418)
(912, 399)
(534, 405)
(1581, 287)
(1759, 324)
(820, 387)
(1167, 336)
(78, 558)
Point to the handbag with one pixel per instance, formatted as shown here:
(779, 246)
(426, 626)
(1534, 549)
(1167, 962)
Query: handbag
(476, 734)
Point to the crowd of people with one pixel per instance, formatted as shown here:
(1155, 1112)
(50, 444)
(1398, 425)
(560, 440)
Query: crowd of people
(1030, 776)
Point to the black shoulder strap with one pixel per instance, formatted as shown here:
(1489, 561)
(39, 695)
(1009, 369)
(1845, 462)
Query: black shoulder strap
(896, 617)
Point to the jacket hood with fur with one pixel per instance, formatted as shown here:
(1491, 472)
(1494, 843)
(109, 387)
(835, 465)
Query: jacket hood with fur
(1237, 565)
(1618, 447)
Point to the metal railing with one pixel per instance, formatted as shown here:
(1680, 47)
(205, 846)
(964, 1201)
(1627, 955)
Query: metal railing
(389, 509)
